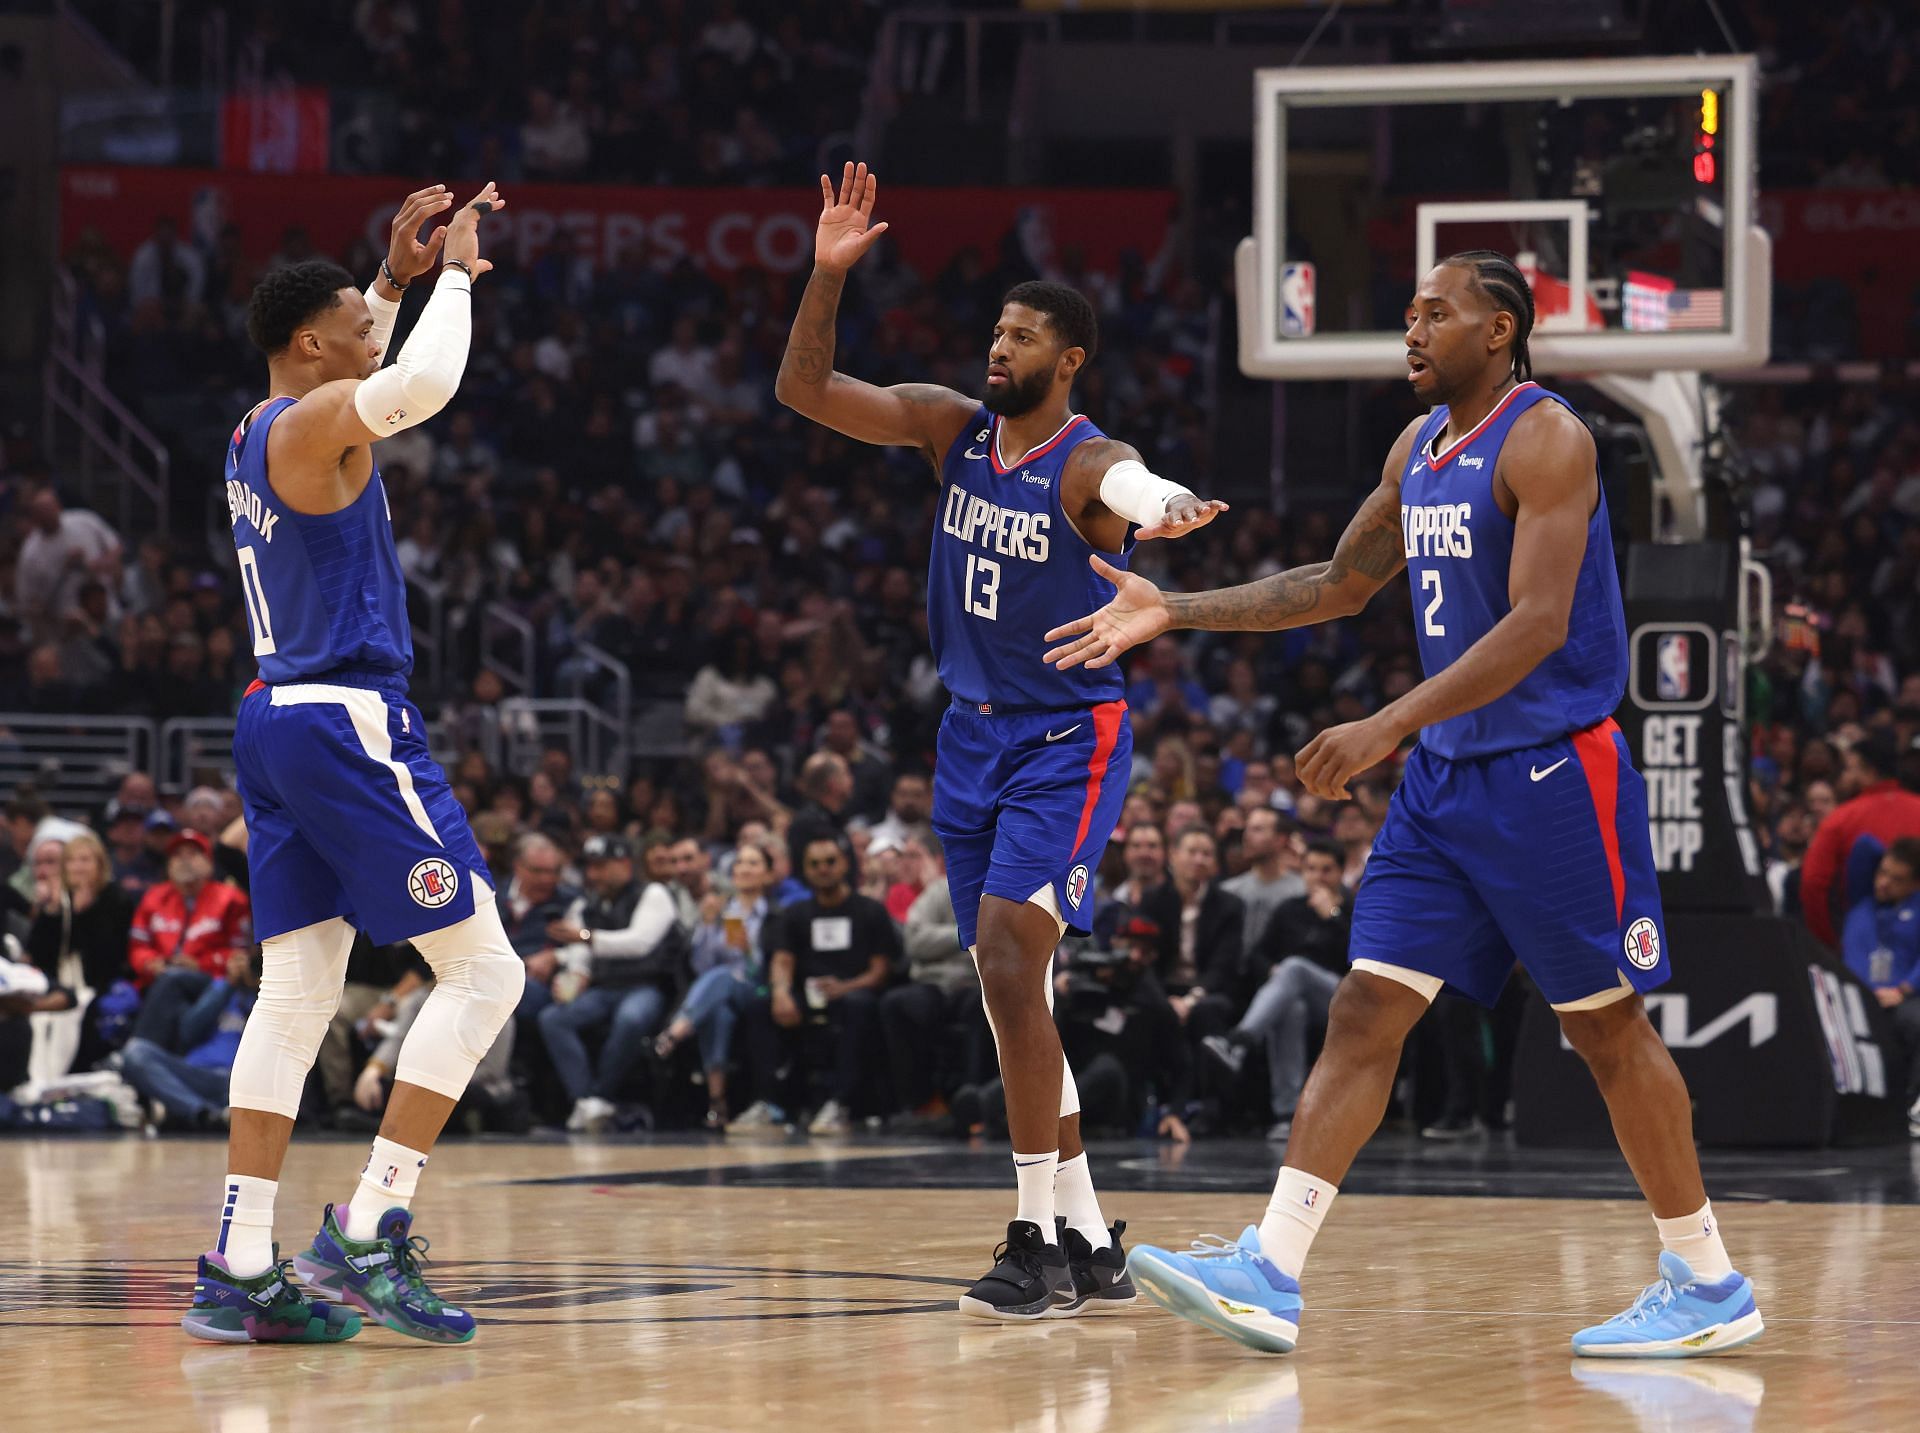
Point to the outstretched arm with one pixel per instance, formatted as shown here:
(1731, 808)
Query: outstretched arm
(1548, 464)
(907, 415)
(1366, 558)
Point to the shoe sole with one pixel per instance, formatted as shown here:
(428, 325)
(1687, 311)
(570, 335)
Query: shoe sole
(1024, 1314)
(1721, 1338)
(210, 1334)
(1180, 1294)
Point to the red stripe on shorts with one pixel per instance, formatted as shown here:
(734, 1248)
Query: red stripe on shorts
(1600, 759)
(1106, 732)
(256, 685)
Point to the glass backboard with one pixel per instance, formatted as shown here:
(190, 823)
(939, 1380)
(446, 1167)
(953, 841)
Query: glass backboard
(1624, 188)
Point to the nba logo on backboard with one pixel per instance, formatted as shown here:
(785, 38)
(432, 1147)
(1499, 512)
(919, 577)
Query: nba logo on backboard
(1076, 886)
(1673, 667)
(1296, 300)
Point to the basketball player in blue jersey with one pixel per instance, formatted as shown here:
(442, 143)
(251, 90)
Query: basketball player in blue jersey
(349, 822)
(1519, 829)
(1032, 763)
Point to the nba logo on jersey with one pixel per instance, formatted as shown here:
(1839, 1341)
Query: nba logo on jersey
(432, 882)
(1673, 666)
(1297, 285)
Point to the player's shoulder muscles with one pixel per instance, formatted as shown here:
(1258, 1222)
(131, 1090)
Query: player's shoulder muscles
(1548, 461)
(1087, 465)
(308, 442)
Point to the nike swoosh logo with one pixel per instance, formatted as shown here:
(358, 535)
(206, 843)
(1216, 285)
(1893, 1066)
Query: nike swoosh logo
(972, 454)
(1062, 735)
(1538, 775)
(1027, 1163)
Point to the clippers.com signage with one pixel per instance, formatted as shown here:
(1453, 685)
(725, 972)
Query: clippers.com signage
(721, 230)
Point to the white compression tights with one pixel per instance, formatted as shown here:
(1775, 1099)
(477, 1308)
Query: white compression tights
(477, 984)
(1069, 1091)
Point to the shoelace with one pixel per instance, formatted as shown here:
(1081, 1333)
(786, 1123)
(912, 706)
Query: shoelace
(1213, 1246)
(408, 1257)
(1654, 1300)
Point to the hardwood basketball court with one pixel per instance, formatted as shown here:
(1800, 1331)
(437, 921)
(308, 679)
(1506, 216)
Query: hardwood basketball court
(794, 1285)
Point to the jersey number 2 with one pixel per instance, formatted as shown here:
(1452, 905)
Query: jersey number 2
(256, 599)
(987, 602)
(1430, 581)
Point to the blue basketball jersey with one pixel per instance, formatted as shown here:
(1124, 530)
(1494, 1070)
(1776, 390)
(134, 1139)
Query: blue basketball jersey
(1459, 548)
(1006, 568)
(323, 593)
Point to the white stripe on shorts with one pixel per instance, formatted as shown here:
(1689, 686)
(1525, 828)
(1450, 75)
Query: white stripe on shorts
(368, 713)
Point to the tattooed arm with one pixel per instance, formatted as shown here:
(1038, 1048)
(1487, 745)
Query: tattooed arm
(908, 415)
(1368, 555)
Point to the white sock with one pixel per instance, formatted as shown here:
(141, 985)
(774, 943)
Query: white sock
(1696, 1238)
(1294, 1213)
(1073, 1196)
(388, 1182)
(1035, 1174)
(246, 1224)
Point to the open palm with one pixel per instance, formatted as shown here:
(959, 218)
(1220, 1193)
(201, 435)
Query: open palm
(1138, 613)
(845, 231)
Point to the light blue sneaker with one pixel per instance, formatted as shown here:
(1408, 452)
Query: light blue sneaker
(1232, 1289)
(1677, 1316)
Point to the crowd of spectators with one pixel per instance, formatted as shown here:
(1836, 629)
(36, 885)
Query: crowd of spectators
(757, 931)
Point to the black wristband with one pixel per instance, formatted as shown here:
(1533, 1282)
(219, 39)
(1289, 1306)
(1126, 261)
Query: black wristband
(461, 264)
(386, 272)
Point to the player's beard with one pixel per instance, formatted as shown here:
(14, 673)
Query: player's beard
(1019, 396)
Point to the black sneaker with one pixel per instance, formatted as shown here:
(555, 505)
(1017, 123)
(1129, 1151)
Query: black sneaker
(1030, 1279)
(1099, 1275)
(1455, 1127)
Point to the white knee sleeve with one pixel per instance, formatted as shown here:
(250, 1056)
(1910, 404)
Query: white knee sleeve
(301, 976)
(477, 980)
(1069, 1091)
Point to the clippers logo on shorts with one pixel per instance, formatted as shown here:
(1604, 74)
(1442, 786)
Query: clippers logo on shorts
(1076, 886)
(432, 883)
(1643, 943)
(1673, 667)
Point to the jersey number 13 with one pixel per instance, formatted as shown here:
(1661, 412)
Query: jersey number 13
(982, 596)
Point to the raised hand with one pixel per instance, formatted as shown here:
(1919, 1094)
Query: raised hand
(844, 235)
(463, 232)
(406, 255)
(1138, 613)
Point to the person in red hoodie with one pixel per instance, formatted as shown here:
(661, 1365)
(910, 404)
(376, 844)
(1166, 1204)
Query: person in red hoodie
(186, 931)
(1878, 806)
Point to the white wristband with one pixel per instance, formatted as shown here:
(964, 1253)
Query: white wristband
(385, 313)
(1136, 494)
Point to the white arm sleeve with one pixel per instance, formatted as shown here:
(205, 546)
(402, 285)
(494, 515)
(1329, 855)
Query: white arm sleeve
(384, 311)
(422, 380)
(1136, 494)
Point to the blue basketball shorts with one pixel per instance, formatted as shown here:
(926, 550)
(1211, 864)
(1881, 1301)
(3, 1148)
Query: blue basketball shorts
(1027, 800)
(1540, 855)
(347, 814)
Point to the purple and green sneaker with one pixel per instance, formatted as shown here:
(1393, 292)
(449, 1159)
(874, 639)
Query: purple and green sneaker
(267, 1308)
(381, 1277)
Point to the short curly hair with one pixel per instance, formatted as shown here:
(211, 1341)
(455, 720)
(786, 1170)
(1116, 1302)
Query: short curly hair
(1068, 313)
(287, 297)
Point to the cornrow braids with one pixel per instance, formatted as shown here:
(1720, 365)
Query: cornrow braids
(1496, 276)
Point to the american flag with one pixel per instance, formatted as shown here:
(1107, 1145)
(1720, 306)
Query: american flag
(1655, 305)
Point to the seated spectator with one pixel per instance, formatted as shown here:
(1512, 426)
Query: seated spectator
(829, 957)
(1270, 842)
(1876, 806)
(186, 1081)
(534, 899)
(826, 782)
(619, 945)
(1145, 853)
(909, 808)
(135, 867)
(1881, 945)
(726, 970)
(1201, 946)
(78, 938)
(189, 922)
(379, 979)
(942, 992)
(1123, 1039)
(491, 1093)
(1304, 950)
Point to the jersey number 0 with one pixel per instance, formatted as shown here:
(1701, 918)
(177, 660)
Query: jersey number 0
(256, 599)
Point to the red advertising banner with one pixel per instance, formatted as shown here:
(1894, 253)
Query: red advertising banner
(276, 131)
(721, 230)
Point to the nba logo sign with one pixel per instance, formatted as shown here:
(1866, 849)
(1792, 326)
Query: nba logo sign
(1076, 886)
(1673, 667)
(432, 883)
(1297, 285)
